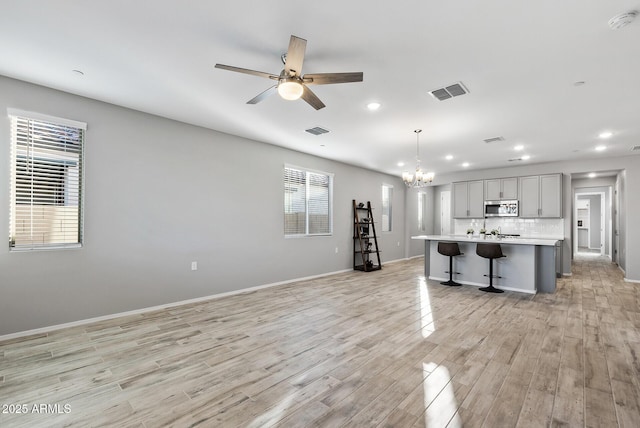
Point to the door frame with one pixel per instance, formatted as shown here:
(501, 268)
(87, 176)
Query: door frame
(603, 220)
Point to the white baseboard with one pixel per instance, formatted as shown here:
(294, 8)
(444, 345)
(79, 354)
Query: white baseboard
(623, 271)
(160, 307)
(635, 281)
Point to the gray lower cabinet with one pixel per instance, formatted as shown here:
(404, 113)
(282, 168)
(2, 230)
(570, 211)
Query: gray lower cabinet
(541, 196)
(468, 199)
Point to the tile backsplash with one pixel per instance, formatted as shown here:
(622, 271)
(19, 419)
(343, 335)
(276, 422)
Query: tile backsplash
(525, 227)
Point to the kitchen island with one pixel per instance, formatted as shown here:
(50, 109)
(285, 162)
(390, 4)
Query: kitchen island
(530, 265)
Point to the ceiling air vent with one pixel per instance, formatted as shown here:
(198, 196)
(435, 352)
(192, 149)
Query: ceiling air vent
(493, 139)
(449, 91)
(635, 149)
(317, 130)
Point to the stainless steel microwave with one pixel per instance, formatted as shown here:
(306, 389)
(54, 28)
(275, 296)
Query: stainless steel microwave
(501, 208)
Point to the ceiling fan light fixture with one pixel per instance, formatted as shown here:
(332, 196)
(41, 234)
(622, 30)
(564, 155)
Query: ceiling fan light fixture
(290, 89)
(622, 20)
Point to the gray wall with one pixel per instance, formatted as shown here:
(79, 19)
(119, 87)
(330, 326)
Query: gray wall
(416, 247)
(437, 226)
(160, 194)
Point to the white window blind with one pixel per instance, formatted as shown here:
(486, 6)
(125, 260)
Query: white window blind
(46, 183)
(387, 197)
(307, 202)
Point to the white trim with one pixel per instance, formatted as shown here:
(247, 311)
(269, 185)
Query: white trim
(160, 307)
(567, 274)
(46, 118)
(635, 281)
(403, 259)
(623, 271)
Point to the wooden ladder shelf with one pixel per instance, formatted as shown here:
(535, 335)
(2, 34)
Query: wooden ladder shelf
(365, 241)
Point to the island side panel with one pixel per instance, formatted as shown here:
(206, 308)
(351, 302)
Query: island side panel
(427, 258)
(518, 269)
(546, 268)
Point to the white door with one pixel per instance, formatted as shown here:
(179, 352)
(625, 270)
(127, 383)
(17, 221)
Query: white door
(445, 213)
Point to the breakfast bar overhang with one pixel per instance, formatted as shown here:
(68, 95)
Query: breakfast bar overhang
(529, 266)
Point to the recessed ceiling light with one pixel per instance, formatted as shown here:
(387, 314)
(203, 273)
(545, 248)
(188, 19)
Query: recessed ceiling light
(592, 175)
(601, 148)
(606, 134)
(448, 157)
(373, 106)
(518, 148)
(400, 163)
(525, 157)
(466, 164)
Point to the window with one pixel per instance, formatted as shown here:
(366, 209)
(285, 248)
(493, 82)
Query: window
(307, 202)
(422, 210)
(46, 182)
(387, 197)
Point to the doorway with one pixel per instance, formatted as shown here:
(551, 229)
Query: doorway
(590, 225)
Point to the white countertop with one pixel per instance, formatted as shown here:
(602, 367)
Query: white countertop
(489, 239)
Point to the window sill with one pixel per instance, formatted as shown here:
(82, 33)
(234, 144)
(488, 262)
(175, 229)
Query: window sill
(38, 249)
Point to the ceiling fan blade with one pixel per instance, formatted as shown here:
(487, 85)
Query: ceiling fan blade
(312, 99)
(330, 78)
(295, 56)
(247, 71)
(261, 96)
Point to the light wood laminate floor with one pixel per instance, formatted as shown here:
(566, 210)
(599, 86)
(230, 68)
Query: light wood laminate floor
(379, 349)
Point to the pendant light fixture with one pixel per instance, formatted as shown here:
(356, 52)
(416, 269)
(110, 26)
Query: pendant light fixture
(419, 178)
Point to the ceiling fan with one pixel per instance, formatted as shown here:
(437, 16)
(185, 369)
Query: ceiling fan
(291, 83)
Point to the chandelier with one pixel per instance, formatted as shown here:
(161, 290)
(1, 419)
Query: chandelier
(419, 178)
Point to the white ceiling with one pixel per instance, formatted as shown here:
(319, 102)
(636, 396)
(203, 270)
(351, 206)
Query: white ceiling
(519, 60)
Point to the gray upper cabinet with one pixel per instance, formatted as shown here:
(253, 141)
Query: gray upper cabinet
(468, 199)
(551, 195)
(501, 188)
(541, 196)
(530, 196)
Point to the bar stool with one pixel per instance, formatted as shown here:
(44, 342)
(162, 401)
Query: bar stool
(450, 249)
(490, 251)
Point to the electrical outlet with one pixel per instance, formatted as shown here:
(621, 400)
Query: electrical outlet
(194, 265)
(336, 250)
